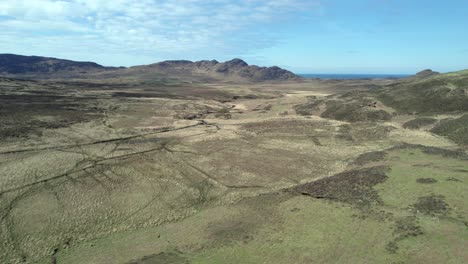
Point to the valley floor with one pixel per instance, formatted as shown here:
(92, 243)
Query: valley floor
(222, 173)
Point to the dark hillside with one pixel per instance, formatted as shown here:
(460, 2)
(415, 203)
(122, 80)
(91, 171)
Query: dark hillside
(17, 64)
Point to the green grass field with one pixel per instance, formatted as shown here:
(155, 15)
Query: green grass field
(286, 226)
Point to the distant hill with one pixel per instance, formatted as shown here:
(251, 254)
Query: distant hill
(426, 73)
(11, 64)
(428, 92)
(235, 70)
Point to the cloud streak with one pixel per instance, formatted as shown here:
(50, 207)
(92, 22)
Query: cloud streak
(152, 28)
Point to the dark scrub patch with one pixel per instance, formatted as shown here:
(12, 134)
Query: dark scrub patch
(354, 187)
(232, 230)
(419, 122)
(161, 258)
(369, 157)
(426, 180)
(432, 205)
(453, 179)
(458, 154)
(405, 227)
(354, 111)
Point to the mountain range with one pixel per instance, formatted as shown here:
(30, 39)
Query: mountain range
(236, 70)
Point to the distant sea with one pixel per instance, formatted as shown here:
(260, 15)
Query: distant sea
(354, 76)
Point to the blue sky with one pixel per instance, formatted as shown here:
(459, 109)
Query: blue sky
(314, 36)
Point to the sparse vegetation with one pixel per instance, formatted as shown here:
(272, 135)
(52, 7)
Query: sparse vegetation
(310, 107)
(455, 129)
(163, 171)
(405, 227)
(354, 112)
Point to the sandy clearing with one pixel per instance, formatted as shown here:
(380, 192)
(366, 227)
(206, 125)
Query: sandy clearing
(240, 107)
(306, 93)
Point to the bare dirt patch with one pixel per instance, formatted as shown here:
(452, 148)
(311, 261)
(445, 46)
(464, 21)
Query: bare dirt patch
(240, 106)
(296, 127)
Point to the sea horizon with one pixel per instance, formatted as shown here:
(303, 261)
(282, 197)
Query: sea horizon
(344, 76)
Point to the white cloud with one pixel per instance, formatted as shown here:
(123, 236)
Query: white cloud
(162, 28)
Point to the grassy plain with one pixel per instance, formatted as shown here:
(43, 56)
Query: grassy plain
(291, 172)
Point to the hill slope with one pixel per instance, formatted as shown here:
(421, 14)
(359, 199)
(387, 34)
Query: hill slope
(422, 101)
(11, 64)
(438, 93)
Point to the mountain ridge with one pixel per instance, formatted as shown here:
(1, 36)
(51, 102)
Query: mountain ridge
(19, 64)
(235, 70)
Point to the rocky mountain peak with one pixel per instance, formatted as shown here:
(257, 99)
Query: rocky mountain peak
(236, 63)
